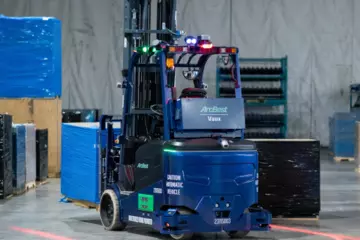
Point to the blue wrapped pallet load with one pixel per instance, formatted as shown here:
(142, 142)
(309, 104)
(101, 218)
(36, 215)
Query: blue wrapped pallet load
(30, 57)
(31, 78)
(80, 161)
(19, 158)
(342, 134)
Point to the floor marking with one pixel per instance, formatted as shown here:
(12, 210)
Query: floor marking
(51, 236)
(39, 233)
(309, 232)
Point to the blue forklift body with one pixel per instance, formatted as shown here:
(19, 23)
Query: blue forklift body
(203, 188)
(209, 183)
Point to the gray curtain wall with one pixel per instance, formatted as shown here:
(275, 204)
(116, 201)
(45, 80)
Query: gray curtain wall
(320, 37)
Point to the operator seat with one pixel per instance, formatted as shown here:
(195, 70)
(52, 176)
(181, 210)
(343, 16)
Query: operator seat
(193, 93)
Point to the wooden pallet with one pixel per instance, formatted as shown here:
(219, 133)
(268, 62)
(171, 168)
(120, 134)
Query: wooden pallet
(339, 159)
(19, 192)
(40, 183)
(343, 159)
(83, 204)
(54, 175)
(30, 185)
(8, 197)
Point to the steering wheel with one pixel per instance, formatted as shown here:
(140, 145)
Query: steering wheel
(157, 109)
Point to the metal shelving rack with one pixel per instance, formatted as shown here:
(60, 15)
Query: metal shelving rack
(264, 88)
(354, 93)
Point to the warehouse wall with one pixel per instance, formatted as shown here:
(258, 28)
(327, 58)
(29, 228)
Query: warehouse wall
(320, 37)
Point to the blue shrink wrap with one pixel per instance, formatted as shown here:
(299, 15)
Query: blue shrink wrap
(80, 161)
(30, 49)
(19, 172)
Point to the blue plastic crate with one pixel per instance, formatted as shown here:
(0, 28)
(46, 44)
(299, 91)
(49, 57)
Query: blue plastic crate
(80, 167)
(342, 133)
(19, 160)
(343, 148)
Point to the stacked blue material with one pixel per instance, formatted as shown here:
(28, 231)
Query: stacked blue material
(30, 153)
(342, 133)
(30, 49)
(80, 167)
(19, 172)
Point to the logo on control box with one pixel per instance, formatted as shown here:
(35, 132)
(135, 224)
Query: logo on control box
(213, 113)
(214, 110)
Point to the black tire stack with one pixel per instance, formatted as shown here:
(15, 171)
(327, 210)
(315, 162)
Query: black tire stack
(41, 154)
(19, 160)
(289, 177)
(6, 169)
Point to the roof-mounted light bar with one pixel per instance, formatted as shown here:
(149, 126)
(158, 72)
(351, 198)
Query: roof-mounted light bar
(204, 49)
(202, 41)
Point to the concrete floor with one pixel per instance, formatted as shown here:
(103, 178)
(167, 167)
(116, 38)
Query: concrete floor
(39, 215)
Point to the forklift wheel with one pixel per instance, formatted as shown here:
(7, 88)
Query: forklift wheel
(110, 211)
(184, 236)
(238, 234)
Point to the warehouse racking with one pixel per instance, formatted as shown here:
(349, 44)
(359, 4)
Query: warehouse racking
(354, 93)
(264, 88)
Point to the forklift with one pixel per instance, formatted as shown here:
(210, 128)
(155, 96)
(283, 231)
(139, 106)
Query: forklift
(179, 164)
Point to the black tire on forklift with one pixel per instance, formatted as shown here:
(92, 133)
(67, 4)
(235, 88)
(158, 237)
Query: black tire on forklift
(238, 234)
(184, 236)
(110, 211)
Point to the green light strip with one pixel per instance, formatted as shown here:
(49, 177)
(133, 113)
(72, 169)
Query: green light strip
(170, 150)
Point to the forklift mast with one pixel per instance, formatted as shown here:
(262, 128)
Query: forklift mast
(146, 21)
(141, 17)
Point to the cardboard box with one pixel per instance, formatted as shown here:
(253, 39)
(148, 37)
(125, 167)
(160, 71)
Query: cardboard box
(45, 114)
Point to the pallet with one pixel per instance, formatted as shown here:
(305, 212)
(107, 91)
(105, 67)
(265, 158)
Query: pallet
(30, 185)
(40, 183)
(19, 192)
(343, 159)
(83, 204)
(339, 159)
(8, 197)
(54, 175)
